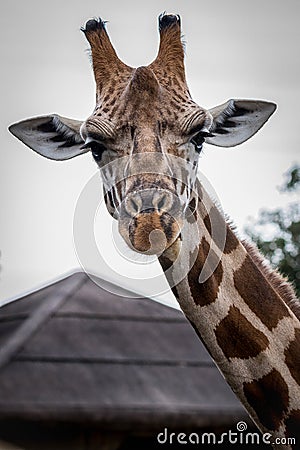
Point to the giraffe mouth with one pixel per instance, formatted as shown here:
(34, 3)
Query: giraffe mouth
(155, 243)
(150, 233)
(154, 233)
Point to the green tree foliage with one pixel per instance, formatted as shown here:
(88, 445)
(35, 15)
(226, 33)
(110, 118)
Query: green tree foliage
(277, 233)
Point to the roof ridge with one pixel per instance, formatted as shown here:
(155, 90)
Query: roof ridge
(40, 286)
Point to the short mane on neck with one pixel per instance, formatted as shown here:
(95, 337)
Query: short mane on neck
(279, 283)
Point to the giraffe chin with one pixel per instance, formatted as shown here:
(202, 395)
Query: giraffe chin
(150, 233)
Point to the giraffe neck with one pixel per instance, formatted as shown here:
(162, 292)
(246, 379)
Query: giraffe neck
(239, 313)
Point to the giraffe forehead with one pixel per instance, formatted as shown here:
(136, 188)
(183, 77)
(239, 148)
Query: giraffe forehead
(150, 119)
(141, 98)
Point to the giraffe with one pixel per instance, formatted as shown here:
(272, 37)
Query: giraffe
(146, 134)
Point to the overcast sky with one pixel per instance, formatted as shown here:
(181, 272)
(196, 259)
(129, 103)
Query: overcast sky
(234, 49)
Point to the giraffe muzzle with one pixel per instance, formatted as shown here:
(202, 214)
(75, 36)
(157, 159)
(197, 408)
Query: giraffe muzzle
(150, 220)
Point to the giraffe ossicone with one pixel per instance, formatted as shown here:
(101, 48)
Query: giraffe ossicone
(146, 134)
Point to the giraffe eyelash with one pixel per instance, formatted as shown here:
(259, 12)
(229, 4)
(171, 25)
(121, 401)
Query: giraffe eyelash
(204, 132)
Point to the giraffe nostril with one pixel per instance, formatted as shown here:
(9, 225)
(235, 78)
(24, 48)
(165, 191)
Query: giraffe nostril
(162, 201)
(149, 201)
(133, 205)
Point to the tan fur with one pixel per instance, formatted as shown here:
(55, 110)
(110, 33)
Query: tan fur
(108, 68)
(169, 63)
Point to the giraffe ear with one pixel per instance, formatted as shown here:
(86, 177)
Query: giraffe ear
(52, 136)
(237, 120)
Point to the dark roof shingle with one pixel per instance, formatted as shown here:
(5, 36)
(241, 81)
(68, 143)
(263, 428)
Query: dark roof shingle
(74, 351)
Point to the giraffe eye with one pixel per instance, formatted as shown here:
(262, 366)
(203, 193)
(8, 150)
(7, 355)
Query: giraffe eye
(97, 149)
(198, 141)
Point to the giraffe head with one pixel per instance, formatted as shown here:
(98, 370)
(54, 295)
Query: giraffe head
(145, 134)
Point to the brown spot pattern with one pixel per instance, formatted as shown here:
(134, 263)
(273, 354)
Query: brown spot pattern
(238, 338)
(269, 397)
(207, 292)
(112, 101)
(191, 217)
(192, 204)
(292, 357)
(259, 294)
(222, 235)
(293, 427)
(232, 241)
